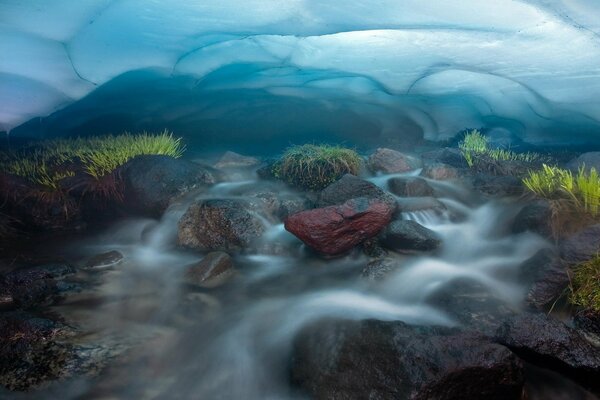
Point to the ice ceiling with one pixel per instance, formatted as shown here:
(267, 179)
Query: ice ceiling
(388, 67)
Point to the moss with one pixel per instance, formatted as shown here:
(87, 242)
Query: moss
(314, 167)
(585, 285)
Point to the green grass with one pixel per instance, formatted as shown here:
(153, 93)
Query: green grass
(585, 285)
(46, 163)
(475, 148)
(314, 167)
(581, 189)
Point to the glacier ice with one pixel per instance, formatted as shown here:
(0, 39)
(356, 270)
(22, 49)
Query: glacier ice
(529, 67)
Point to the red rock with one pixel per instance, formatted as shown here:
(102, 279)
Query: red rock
(391, 161)
(336, 229)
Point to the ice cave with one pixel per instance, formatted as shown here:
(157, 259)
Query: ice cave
(300, 199)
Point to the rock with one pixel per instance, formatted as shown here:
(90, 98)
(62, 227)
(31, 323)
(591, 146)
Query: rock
(391, 161)
(105, 260)
(547, 278)
(379, 269)
(351, 187)
(410, 187)
(29, 350)
(447, 155)
(582, 246)
(391, 360)
(412, 204)
(211, 271)
(587, 322)
(151, 182)
(471, 304)
(440, 172)
(549, 343)
(498, 186)
(589, 160)
(220, 224)
(234, 160)
(408, 236)
(535, 217)
(336, 229)
(34, 286)
(272, 199)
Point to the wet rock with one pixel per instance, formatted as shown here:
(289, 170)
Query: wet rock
(392, 360)
(273, 199)
(548, 342)
(409, 236)
(373, 248)
(447, 155)
(391, 161)
(440, 172)
(34, 286)
(587, 322)
(547, 278)
(471, 304)
(410, 187)
(588, 160)
(498, 186)
(151, 182)
(379, 269)
(106, 260)
(29, 351)
(351, 187)
(582, 246)
(211, 271)
(234, 160)
(336, 229)
(535, 217)
(220, 224)
(412, 204)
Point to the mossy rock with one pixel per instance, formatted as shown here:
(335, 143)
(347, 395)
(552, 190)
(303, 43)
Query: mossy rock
(313, 167)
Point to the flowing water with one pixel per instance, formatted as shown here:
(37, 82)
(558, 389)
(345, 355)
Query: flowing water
(234, 342)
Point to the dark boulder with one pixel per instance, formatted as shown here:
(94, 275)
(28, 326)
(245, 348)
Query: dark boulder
(588, 160)
(30, 352)
(410, 187)
(470, 303)
(581, 246)
(151, 182)
(409, 236)
(220, 224)
(392, 360)
(391, 161)
(34, 286)
(498, 186)
(211, 271)
(548, 342)
(546, 277)
(336, 229)
(535, 217)
(351, 187)
(440, 172)
(447, 155)
(234, 160)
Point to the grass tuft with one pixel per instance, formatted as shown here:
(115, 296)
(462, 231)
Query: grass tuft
(314, 167)
(585, 285)
(581, 190)
(47, 163)
(474, 148)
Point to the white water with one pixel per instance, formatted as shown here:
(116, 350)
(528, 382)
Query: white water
(234, 342)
